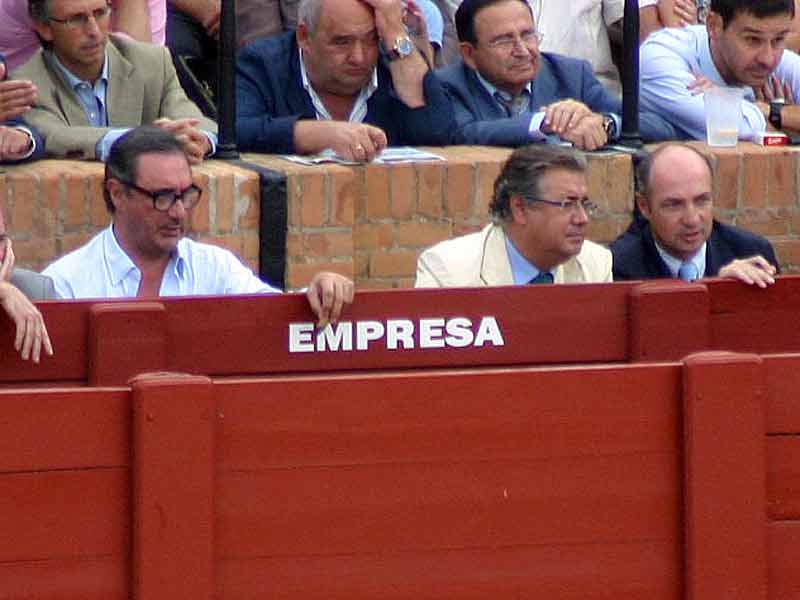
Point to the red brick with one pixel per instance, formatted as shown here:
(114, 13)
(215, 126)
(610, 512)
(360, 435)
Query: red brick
(76, 205)
(72, 241)
(298, 275)
(248, 203)
(769, 222)
(35, 249)
(393, 263)
(459, 189)
(377, 204)
(98, 212)
(326, 244)
(726, 177)
(200, 220)
(602, 231)
(754, 178)
(373, 235)
(342, 200)
(294, 244)
(224, 203)
(782, 178)
(463, 227)
(403, 186)
(788, 252)
(486, 174)
(251, 248)
(361, 265)
(24, 202)
(294, 199)
(619, 185)
(313, 203)
(597, 179)
(422, 234)
(430, 177)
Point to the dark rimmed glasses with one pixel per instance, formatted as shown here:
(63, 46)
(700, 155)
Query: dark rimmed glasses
(164, 199)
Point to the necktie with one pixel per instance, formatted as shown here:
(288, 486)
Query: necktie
(687, 271)
(543, 277)
(515, 105)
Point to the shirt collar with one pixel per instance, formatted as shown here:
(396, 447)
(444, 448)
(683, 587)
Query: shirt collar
(673, 264)
(521, 268)
(322, 112)
(73, 80)
(120, 264)
(492, 89)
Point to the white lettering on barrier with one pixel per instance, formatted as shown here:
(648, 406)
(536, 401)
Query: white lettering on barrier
(437, 332)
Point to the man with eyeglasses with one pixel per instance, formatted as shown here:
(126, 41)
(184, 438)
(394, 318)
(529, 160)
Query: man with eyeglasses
(742, 45)
(539, 211)
(149, 192)
(506, 92)
(681, 237)
(93, 87)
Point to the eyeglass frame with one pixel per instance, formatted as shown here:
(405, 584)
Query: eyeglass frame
(507, 43)
(80, 20)
(569, 204)
(172, 194)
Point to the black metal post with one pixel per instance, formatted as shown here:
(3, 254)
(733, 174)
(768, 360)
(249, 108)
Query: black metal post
(630, 76)
(226, 107)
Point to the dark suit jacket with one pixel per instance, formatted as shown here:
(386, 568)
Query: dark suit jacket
(34, 285)
(636, 257)
(480, 120)
(270, 99)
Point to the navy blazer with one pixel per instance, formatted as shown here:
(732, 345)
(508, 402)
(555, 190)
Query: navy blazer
(635, 254)
(480, 120)
(270, 99)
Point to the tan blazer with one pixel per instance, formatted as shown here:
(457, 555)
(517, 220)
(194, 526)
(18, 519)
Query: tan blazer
(481, 259)
(142, 87)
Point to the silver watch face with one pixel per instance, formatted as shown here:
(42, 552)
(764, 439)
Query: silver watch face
(404, 46)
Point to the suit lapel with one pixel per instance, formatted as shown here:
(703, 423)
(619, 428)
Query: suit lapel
(64, 95)
(298, 99)
(544, 86)
(495, 266)
(125, 99)
(487, 106)
(653, 263)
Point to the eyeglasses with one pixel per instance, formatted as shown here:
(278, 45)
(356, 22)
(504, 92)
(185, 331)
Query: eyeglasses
(508, 42)
(82, 19)
(164, 199)
(570, 205)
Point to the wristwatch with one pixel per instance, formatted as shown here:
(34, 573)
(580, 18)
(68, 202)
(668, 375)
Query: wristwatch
(610, 127)
(403, 46)
(775, 108)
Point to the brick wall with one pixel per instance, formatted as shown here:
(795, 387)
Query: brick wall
(371, 222)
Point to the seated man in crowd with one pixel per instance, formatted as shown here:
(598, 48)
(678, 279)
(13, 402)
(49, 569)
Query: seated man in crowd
(741, 45)
(506, 92)
(18, 141)
(326, 86)
(540, 210)
(93, 87)
(149, 192)
(681, 237)
(17, 288)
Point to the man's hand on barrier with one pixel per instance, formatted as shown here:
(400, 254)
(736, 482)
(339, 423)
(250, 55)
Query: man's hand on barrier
(755, 270)
(563, 115)
(328, 293)
(31, 333)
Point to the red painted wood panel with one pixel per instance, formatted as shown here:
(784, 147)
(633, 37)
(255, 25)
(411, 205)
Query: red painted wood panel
(784, 548)
(783, 477)
(645, 570)
(45, 429)
(451, 415)
(64, 514)
(95, 578)
(783, 383)
(725, 489)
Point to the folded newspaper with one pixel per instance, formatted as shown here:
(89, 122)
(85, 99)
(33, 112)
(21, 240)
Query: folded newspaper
(398, 154)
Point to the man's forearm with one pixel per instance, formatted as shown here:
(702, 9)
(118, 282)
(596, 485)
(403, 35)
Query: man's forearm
(133, 17)
(407, 76)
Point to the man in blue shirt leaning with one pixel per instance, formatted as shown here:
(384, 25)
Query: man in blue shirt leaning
(741, 45)
(148, 190)
(507, 92)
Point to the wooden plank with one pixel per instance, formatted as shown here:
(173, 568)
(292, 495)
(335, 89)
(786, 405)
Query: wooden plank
(450, 415)
(82, 428)
(95, 578)
(784, 548)
(669, 319)
(783, 383)
(64, 514)
(724, 423)
(413, 507)
(783, 477)
(644, 570)
(173, 487)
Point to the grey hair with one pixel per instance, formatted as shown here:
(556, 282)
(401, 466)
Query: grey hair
(523, 171)
(308, 12)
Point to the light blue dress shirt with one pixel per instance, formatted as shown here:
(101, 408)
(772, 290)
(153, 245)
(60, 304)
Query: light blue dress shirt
(102, 269)
(93, 100)
(674, 264)
(669, 60)
(522, 269)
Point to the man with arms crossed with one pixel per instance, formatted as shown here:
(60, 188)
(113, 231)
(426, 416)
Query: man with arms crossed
(681, 237)
(741, 45)
(93, 87)
(327, 85)
(540, 211)
(507, 93)
(149, 191)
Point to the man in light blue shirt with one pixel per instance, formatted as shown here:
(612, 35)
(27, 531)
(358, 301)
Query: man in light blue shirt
(741, 45)
(149, 191)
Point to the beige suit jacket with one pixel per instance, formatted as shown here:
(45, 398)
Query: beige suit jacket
(142, 87)
(481, 259)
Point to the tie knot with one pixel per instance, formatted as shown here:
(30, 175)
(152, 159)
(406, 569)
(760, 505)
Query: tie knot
(687, 271)
(543, 277)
